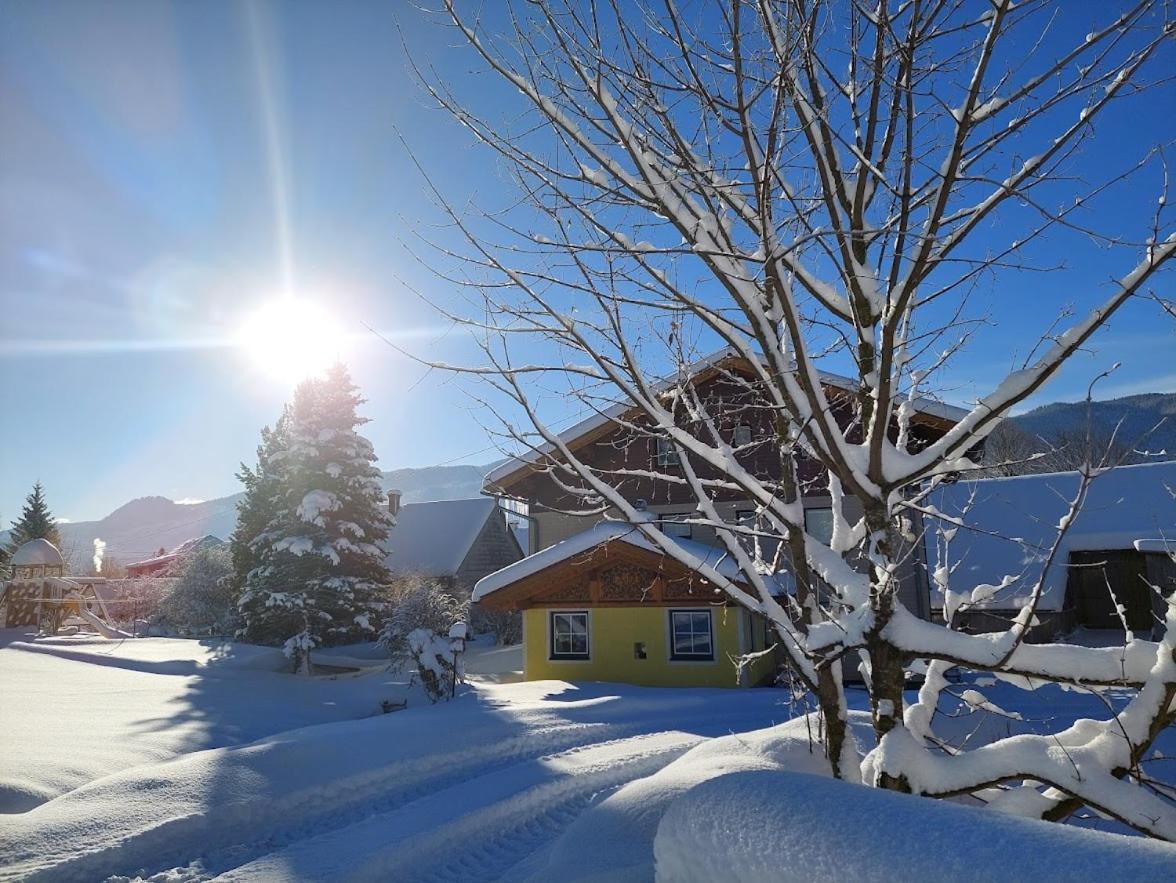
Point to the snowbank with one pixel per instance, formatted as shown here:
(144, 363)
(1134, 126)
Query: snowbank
(419, 789)
(614, 838)
(76, 709)
(770, 825)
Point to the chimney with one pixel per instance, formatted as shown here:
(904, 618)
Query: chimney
(393, 503)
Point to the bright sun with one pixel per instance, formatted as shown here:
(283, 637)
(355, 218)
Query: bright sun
(291, 338)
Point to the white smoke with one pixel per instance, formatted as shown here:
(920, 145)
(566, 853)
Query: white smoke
(99, 549)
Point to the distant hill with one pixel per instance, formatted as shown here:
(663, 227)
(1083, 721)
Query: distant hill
(1138, 413)
(138, 529)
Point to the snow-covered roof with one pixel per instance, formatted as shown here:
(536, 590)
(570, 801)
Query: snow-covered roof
(38, 552)
(605, 532)
(208, 541)
(434, 538)
(609, 415)
(1125, 507)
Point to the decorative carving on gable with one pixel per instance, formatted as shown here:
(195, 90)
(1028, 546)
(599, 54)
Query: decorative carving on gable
(571, 592)
(678, 589)
(626, 582)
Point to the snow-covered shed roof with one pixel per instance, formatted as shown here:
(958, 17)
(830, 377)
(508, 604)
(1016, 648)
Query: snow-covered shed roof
(509, 467)
(38, 552)
(434, 538)
(1009, 525)
(606, 532)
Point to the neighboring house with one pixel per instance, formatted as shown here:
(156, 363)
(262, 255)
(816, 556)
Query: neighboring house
(636, 636)
(171, 563)
(456, 542)
(1120, 542)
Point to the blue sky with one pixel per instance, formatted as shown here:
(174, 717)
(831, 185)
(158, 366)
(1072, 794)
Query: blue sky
(147, 153)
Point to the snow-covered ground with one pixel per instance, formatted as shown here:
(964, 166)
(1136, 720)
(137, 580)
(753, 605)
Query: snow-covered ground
(175, 760)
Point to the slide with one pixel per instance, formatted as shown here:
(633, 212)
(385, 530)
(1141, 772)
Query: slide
(100, 625)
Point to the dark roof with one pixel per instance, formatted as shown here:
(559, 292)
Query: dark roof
(434, 538)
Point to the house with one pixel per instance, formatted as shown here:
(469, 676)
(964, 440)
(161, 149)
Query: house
(1120, 543)
(607, 605)
(171, 563)
(601, 603)
(456, 542)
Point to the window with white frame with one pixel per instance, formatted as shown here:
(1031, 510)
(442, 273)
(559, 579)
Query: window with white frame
(667, 454)
(691, 635)
(569, 634)
(741, 436)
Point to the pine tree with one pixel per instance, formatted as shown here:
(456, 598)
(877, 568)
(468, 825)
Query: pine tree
(35, 522)
(320, 559)
(255, 509)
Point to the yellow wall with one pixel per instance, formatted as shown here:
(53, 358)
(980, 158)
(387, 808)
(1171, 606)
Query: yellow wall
(614, 630)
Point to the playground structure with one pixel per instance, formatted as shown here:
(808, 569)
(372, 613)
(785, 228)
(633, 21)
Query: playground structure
(41, 595)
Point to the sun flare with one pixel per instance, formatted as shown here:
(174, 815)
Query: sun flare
(291, 338)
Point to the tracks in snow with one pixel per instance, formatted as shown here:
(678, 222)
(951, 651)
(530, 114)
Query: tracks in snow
(477, 830)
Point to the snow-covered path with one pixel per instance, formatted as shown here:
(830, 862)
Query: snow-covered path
(476, 829)
(465, 790)
(197, 763)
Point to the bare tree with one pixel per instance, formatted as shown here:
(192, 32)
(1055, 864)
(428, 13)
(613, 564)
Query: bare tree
(800, 181)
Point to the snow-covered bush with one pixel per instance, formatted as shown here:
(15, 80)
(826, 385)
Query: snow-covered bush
(438, 665)
(418, 603)
(131, 601)
(506, 625)
(202, 600)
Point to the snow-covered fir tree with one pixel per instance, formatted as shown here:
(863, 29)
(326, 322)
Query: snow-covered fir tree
(255, 510)
(36, 522)
(320, 559)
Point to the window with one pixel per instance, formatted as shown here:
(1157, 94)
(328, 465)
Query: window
(667, 454)
(678, 529)
(742, 435)
(690, 635)
(569, 635)
(818, 523)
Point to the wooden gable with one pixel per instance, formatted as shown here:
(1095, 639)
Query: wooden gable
(614, 573)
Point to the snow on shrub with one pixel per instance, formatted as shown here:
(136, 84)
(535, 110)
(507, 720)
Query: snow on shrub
(201, 601)
(418, 603)
(506, 625)
(438, 662)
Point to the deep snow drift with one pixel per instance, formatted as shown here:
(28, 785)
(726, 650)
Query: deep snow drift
(772, 825)
(172, 760)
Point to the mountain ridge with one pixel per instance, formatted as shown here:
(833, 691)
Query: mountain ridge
(140, 527)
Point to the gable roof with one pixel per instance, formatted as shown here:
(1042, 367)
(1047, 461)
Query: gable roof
(507, 471)
(1126, 507)
(434, 538)
(604, 533)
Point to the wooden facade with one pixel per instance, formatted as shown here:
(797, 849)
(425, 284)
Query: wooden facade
(613, 448)
(616, 574)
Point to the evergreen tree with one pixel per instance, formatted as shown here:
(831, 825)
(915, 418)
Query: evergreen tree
(255, 509)
(320, 566)
(35, 522)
